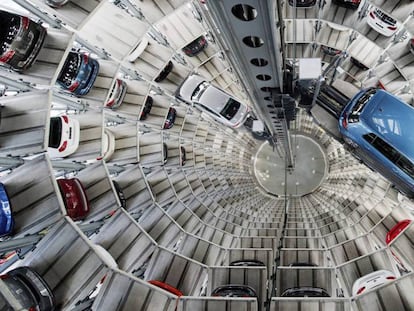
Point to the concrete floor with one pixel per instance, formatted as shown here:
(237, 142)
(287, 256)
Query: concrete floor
(310, 168)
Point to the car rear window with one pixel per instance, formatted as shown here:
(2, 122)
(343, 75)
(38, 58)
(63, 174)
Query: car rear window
(9, 27)
(55, 132)
(230, 109)
(385, 18)
(70, 69)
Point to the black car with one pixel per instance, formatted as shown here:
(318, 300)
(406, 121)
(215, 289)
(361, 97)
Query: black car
(233, 290)
(164, 152)
(302, 3)
(147, 108)
(327, 50)
(247, 263)
(305, 291)
(120, 193)
(302, 264)
(20, 40)
(351, 4)
(357, 63)
(164, 73)
(170, 119)
(29, 290)
(183, 156)
(196, 46)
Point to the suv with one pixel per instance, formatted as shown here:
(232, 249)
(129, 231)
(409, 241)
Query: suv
(21, 40)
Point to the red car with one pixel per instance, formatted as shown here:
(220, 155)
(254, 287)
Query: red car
(396, 230)
(74, 197)
(166, 287)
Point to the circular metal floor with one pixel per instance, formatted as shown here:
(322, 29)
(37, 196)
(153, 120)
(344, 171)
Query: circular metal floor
(310, 168)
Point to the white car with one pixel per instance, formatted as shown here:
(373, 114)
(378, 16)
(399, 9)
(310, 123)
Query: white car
(64, 133)
(116, 94)
(381, 22)
(212, 100)
(108, 145)
(372, 280)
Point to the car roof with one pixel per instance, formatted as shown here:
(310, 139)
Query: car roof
(214, 98)
(392, 120)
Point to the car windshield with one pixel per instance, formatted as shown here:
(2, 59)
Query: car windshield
(9, 27)
(70, 69)
(198, 91)
(230, 109)
(359, 106)
(55, 132)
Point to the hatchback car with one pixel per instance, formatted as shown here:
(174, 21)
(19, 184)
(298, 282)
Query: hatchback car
(214, 101)
(20, 40)
(371, 281)
(351, 4)
(302, 3)
(6, 217)
(147, 108)
(116, 94)
(234, 290)
(305, 291)
(167, 287)
(28, 289)
(396, 230)
(170, 119)
(74, 198)
(381, 22)
(64, 133)
(196, 46)
(164, 72)
(56, 3)
(78, 73)
(183, 156)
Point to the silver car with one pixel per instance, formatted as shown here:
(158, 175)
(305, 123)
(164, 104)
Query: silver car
(212, 100)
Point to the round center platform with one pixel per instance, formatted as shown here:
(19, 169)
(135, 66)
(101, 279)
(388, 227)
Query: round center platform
(308, 172)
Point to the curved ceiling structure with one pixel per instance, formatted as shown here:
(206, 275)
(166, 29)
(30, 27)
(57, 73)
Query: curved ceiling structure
(192, 201)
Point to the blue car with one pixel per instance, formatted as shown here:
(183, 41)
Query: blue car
(6, 217)
(78, 73)
(378, 128)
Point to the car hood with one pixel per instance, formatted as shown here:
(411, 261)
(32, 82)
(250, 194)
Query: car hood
(187, 88)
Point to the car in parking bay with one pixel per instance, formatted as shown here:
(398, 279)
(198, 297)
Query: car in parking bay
(247, 263)
(64, 134)
(56, 3)
(74, 197)
(183, 156)
(381, 22)
(164, 72)
(302, 3)
(108, 145)
(305, 291)
(371, 281)
(120, 193)
(351, 4)
(21, 40)
(234, 290)
(196, 46)
(411, 45)
(164, 153)
(147, 108)
(396, 230)
(170, 118)
(24, 289)
(6, 216)
(116, 94)
(167, 287)
(327, 50)
(215, 102)
(78, 73)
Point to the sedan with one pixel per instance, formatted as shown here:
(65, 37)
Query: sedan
(74, 198)
(24, 289)
(214, 101)
(147, 108)
(108, 145)
(170, 119)
(396, 230)
(371, 281)
(234, 291)
(381, 22)
(116, 94)
(351, 4)
(196, 46)
(6, 217)
(78, 73)
(164, 72)
(64, 133)
(183, 156)
(20, 40)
